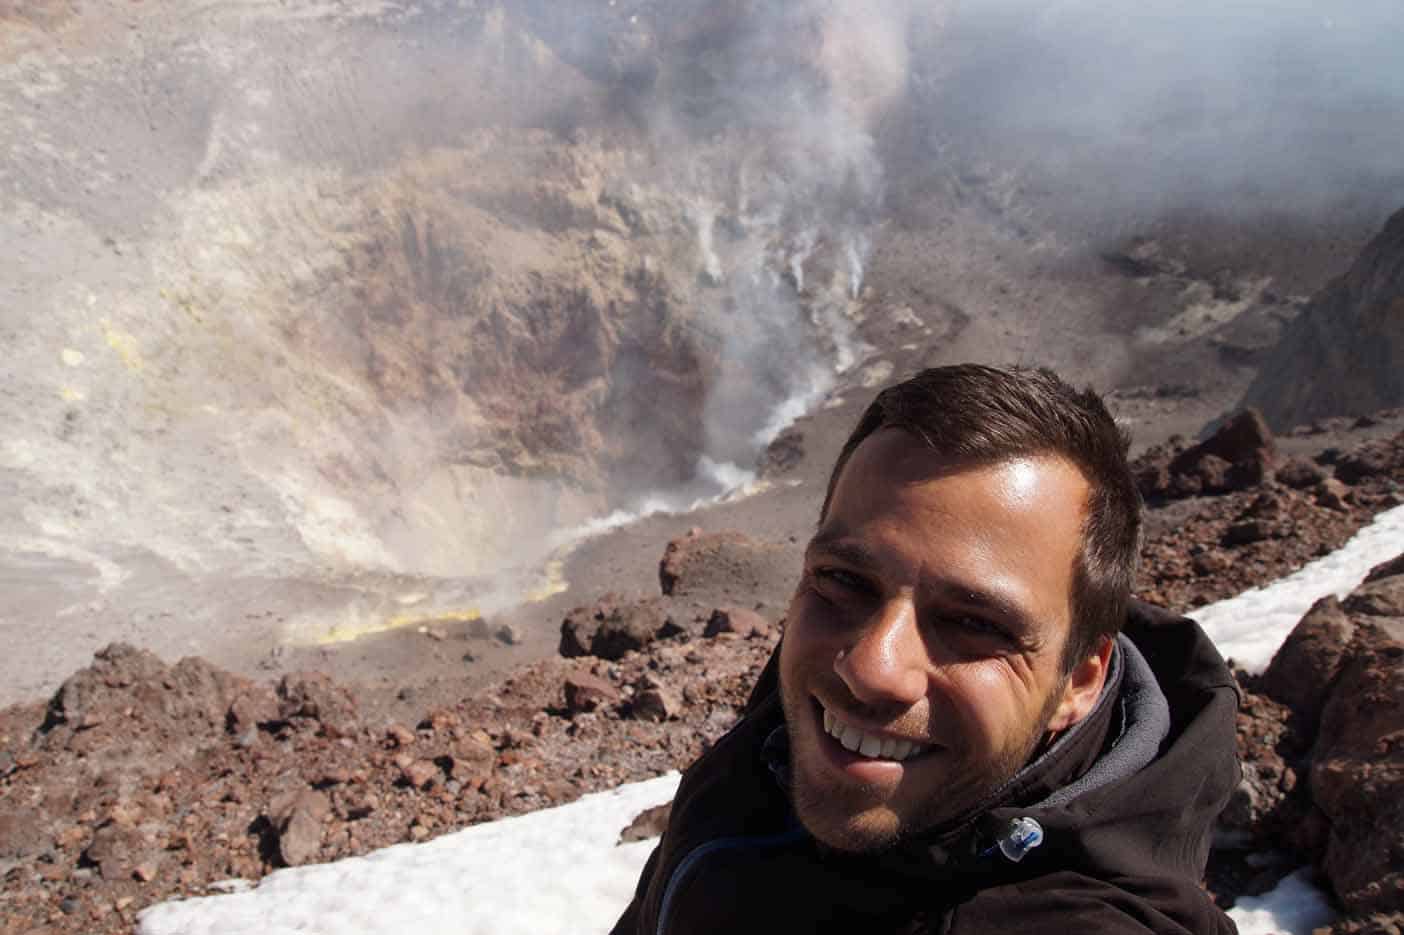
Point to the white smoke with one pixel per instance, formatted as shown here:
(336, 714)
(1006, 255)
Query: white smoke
(1116, 110)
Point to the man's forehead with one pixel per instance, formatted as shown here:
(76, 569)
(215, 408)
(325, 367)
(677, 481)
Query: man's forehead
(894, 458)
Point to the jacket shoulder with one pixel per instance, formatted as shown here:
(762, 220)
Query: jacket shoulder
(1070, 901)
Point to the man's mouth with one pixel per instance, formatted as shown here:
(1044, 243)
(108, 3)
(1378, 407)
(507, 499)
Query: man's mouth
(869, 745)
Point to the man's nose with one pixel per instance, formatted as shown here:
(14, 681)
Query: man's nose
(884, 665)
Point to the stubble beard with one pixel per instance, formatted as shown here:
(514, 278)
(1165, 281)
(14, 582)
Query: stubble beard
(852, 817)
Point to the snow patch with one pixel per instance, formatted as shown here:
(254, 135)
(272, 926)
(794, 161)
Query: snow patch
(1293, 907)
(1250, 627)
(559, 870)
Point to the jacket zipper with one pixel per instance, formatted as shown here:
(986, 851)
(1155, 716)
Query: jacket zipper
(695, 856)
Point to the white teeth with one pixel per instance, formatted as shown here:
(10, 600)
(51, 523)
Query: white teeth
(870, 745)
(852, 738)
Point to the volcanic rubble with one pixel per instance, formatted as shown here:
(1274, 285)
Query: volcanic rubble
(140, 781)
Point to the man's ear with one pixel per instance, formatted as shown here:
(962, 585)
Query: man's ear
(1084, 686)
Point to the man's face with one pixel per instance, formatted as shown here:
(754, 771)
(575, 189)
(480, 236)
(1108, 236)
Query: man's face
(926, 631)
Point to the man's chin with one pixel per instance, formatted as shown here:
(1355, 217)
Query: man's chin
(843, 819)
(863, 833)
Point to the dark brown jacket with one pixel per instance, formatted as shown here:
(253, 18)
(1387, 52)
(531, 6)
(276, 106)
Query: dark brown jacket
(1126, 802)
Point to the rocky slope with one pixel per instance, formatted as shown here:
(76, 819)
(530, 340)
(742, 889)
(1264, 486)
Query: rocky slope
(1341, 355)
(1319, 735)
(141, 780)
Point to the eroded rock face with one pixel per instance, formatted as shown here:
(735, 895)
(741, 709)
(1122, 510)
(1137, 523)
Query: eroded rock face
(1341, 355)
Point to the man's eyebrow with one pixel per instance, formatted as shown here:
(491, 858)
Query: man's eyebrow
(978, 599)
(835, 544)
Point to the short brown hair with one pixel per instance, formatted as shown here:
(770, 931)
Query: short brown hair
(984, 414)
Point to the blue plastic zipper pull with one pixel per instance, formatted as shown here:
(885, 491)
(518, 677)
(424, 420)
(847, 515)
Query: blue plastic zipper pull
(1022, 836)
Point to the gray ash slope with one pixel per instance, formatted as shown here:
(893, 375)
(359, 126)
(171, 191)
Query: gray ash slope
(1344, 354)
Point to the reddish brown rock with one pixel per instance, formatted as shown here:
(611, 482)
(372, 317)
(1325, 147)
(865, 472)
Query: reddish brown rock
(1358, 768)
(1389, 569)
(1300, 473)
(1212, 472)
(1303, 670)
(398, 735)
(1382, 597)
(655, 701)
(1243, 437)
(738, 620)
(298, 820)
(1376, 458)
(1332, 494)
(586, 692)
(118, 850)
(578, 632)
(650, 823)
(1239, 454)
(1266, 741)
(255, 706)
(627, 628)
(420, 774)
(124, 683)
(314, 696)
(1248, 532)
(612, 627)
(718, 563)
(474, 749)
(21, 833)
(1209, 563)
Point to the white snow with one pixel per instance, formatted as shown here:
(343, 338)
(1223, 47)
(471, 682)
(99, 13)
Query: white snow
(1249, 628)
(1293, 907)
(560, 869)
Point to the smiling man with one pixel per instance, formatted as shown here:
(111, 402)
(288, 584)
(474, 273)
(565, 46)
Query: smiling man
(969, 726)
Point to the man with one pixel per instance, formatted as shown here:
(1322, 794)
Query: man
(968, 727)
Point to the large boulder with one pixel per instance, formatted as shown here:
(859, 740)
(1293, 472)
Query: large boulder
(613, 627)
(129, 701)
(719, 564)
(1357, 775)
(1240, 454)
(1303, 670)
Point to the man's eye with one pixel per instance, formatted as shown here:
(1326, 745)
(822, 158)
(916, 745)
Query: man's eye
(978, 626)
(838, 577)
